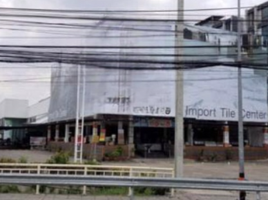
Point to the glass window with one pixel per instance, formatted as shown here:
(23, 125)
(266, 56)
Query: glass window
(265, 13)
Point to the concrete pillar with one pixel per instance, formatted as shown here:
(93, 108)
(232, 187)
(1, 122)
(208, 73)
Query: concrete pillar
(102, 132)
(94, 136)
(48, 133)
(66, 136)
(120, 133)
(94, 129)
(265, 136)
(190, 134)
(57, 133)
(131, 146)
(226, 135)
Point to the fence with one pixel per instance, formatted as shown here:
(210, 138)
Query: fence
(197, 184)
(84, 170)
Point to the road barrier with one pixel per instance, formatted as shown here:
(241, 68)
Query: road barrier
(132, 182)
(84, 170)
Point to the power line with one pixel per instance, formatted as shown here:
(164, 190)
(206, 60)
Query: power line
(117, 11)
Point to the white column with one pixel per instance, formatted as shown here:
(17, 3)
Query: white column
(57, 133)
(120, 133)
(190, 133)
(95, 129)
(131, 146)
(48, 133)
(102, 132)
(265, 136)
(226, 135)
(66, 136)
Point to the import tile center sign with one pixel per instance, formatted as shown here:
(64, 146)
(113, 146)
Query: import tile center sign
(209, 94)
(217, 99)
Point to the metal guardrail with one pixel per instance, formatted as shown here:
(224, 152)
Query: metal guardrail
(197, 184)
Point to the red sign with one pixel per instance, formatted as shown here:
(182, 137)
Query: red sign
(161, 123)
(79, 139)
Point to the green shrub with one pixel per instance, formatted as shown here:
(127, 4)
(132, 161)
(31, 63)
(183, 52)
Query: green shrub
(115, 154)
(106, 191)
(118, 152)
(74, 190)
(9, 189)
(142, 191)
(201, 156)
(91, 162)
(23, 159)
(213, 157)
(59, 158)
(7, 160)
(228, 155)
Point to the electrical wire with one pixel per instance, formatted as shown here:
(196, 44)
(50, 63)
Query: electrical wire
(116, 11)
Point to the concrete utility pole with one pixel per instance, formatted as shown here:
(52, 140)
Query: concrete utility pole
(242, 194)
(82, 112)
(179, 133)
(77, 129)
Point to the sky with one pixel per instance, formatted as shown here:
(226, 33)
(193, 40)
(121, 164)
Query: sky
(36, 91)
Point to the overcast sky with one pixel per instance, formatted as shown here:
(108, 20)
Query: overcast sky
(35, 92)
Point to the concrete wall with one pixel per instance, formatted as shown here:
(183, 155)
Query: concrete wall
(38, 113)
(39, 108)
(14, 108)
(220, 153)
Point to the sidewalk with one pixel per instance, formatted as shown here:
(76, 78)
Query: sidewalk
(193, 195)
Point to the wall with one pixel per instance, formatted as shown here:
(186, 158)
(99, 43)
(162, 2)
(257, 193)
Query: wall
(14, 108)
(39, 111)
(220, 153)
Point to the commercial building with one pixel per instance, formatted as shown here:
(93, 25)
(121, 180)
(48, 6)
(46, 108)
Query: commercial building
(228, 23)
(257, 25)
(19, 121)
(136, 109)
(257, 29)
(13, 113)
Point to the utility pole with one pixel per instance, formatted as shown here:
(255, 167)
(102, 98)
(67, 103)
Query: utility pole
(82, 112)
(242, 194)
(77, 125)
(179, 135)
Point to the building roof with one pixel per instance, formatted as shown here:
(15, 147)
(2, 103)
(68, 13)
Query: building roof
(210, 18)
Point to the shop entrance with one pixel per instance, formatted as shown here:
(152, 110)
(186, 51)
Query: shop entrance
(151, 142)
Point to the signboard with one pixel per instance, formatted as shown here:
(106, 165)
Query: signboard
(37, 141)
(160, 123)
(102, 135)
(95, 139)
(80, 139)
(153, 122)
